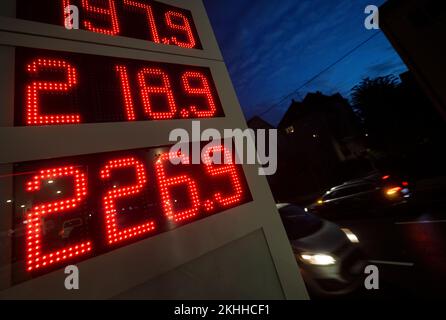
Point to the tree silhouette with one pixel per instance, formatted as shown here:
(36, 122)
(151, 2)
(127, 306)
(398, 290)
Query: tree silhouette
(380, 105)
(371, 95)
(400, 121)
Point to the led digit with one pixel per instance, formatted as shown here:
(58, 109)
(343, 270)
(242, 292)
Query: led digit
(126, 92)
(114, 234)
(56, 88)
(146, 20)
(33, 116)
(166, 183)
(228, 168)
(147, 90)
(36, 259)
(109, 11)
(204, 90)
(65, 5)
(171, 17)
(62, 230)
(151, 19)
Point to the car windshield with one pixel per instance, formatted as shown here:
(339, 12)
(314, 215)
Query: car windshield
(298, 224)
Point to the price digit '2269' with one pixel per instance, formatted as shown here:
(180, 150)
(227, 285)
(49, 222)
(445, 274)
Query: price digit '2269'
(167, 183)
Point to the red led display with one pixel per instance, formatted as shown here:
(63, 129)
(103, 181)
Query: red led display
(113, 233)
(148, 90)
(79, 207)
(204, 89)
(108, 13)
(55, 88)
(33, 116)
(230, 170)
(141, 19)
(35, 257)
(183, 26)
(126, 92)
(166, 183)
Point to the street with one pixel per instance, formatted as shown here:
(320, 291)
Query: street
(408, 249)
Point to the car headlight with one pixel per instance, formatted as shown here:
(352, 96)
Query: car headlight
(350, 235)
(318, 259)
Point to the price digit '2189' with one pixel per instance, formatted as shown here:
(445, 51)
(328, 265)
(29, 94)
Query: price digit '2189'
(149, 83)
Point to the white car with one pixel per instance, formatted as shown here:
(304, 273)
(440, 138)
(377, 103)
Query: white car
(330, 259)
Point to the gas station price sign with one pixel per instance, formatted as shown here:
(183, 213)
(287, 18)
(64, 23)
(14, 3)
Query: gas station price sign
(139, 207)
(54, 87)
(141, 19)
(76, 208)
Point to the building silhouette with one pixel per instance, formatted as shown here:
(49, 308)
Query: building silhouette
(320, 144)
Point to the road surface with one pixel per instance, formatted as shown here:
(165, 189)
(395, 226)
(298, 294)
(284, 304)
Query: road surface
(409, 250)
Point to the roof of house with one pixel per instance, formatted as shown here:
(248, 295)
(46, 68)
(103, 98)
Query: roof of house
(258, 123)
(313, 102)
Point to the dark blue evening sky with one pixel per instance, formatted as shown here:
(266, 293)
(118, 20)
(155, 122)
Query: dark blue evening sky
(273, 47)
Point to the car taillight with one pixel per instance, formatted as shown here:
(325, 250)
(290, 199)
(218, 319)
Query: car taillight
(393, 191)
(405, 184)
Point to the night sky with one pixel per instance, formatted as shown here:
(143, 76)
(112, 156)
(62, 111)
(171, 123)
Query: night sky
(273, 47)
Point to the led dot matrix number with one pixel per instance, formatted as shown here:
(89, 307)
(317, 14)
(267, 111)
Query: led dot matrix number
(54, 88)
(185, 193)
(141, 19)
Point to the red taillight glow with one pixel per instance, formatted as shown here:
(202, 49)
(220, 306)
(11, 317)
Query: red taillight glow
(385, 177)
(405, 183)
(393, 191)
